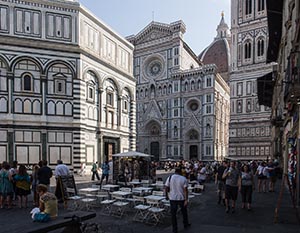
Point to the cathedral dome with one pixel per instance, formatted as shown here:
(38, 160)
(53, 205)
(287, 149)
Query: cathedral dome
(218, 52)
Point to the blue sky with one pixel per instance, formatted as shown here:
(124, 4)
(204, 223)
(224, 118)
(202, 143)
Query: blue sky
(128, 17)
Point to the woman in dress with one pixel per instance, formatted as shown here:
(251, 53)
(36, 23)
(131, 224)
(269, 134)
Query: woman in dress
(22, 180)
(6, 186)
(247, 187)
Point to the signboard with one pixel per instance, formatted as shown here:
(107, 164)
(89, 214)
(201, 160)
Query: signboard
(67, 186)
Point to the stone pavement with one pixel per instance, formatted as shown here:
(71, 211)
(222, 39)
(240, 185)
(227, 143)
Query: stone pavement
(205, 216)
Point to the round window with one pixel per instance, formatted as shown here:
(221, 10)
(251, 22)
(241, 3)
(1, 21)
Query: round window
(194, 106)
(154, 68)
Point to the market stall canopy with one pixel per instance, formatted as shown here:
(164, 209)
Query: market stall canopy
(132, 154)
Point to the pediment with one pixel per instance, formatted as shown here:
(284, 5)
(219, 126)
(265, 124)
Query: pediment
(153, 31)
(192, 123)
(152, 112)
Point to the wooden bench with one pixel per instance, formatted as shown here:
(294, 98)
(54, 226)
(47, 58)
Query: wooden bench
(70, 221)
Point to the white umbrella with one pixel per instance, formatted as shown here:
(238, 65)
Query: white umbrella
(132, 154)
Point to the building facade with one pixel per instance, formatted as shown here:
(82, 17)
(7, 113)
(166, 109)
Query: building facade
(182, 106)
(284, 48)
(67, 89)
(249, 128)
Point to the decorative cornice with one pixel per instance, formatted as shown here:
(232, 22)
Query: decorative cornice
(203, 70)
(60, 5)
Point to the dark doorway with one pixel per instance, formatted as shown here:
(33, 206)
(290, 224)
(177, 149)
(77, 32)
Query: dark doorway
(110, 146)
(193, 152)
(154, 150)
(109, 149)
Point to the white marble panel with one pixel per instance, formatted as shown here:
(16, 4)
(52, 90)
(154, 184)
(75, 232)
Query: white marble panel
(50, 25)
(17, 84)
(34, 154)
(68, 138)
(27, 136)
(3, 153)
(60, 137)
(50, 85)
(36, 107)
(66, 154)
(51, 108)
(27, 106)
(36, 24)
(59, 108)
(37, 86)
(90, 112)
(67, 26)
(53, 154)
(19, 136)
(36, 136)
(69, 88)
(3, 136)
(51, 137)
(58, 26)
(19, 20)
(89, 154)
(18, 106)
(68, 109)
(3, 104)
(3, 20)
(22, 154)
(27, 21)
(3, 81)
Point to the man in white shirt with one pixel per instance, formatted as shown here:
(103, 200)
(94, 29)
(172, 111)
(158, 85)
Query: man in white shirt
(177, 192)
(60, 170)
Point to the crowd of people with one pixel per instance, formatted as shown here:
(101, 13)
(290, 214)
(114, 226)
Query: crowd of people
(16, 184)
(232, 178)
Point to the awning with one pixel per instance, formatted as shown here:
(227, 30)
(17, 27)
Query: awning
(132, 154)
(274, 12)
(265, 85)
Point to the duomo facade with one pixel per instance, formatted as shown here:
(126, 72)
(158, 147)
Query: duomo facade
(182, 105)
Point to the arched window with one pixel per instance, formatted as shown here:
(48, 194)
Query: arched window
(260, 47)
(199, 84)
(247, 50)
(170, 89)
(260, 5)
(192, 85)
(248, 7)
(186, 86)
(27, 82)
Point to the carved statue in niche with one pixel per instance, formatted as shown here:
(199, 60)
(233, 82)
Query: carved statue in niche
(152, 92)
(208, 130)
(193, 135)
(154, 130)
(175, 131)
